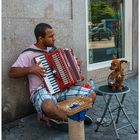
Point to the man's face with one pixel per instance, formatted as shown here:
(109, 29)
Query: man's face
(49, 39)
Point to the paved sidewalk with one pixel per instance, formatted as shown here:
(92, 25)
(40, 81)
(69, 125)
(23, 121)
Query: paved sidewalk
(29, 128)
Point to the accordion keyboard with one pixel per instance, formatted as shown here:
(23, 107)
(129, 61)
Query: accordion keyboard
(48, 77)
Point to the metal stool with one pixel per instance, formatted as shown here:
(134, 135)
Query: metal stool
(106, 91)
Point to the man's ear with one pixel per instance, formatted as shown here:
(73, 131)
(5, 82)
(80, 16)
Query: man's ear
(40, 38)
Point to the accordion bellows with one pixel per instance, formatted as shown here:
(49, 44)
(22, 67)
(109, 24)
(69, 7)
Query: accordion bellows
(75, 105)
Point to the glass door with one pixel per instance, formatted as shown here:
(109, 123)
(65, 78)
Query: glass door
(105, 30)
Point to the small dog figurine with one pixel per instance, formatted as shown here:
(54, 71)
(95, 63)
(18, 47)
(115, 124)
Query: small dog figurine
(116, 77)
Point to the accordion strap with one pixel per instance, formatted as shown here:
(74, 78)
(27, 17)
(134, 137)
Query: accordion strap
(35, 50)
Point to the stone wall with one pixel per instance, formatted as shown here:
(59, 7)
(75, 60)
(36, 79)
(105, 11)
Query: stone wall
(19, 17)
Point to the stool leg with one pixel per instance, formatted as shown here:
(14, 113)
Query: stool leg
(107, 104)
(111, 115)
(120, 108)
(126, 114)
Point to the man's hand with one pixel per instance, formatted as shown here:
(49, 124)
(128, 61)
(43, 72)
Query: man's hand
(79, 62)
(17, 72)
(38, 70)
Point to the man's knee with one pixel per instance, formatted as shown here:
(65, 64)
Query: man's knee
(48, 106)
(93, 96)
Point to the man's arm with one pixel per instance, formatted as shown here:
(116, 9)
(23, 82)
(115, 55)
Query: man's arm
(17, 72)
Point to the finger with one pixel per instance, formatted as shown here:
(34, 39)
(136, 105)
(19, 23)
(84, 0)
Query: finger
(80, 61)
(39, 63)
(42, 73)
(43, 69)
(41, 77)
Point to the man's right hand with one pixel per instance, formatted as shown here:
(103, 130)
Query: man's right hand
(17, 72)
(38, 70)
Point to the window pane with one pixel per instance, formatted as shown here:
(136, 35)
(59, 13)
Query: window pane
(105, 29)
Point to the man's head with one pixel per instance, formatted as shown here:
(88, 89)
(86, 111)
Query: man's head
(44, 35)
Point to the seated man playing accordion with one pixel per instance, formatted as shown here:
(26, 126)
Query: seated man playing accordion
(43, 101)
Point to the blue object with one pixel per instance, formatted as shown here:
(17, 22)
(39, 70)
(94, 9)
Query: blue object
(74, 106)
(80, 116)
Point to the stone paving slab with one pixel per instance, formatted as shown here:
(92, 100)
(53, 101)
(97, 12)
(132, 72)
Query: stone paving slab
(29, 128)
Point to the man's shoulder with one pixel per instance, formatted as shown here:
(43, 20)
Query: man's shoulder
(31, 49)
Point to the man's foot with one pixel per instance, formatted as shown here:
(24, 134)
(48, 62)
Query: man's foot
(88, 120)
(63, 126)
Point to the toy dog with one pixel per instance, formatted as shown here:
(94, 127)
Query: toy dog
(116, 77)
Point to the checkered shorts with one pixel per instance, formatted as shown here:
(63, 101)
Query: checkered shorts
(42, 95)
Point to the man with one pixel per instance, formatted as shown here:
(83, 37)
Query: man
(42, 100)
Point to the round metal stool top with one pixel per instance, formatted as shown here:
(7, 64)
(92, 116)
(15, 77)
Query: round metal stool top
(106, 90)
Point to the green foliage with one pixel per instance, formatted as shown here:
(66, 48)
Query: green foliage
(99, 11)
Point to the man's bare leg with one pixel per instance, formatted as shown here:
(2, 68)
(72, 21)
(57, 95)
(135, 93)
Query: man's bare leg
(52, 111)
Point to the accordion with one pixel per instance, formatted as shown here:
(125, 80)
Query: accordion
(61, 68)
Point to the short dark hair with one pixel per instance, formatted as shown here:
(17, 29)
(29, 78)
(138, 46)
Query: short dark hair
(40, 30)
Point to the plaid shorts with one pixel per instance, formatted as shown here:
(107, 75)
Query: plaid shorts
(42, 95)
